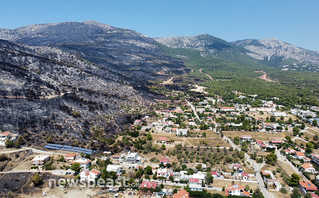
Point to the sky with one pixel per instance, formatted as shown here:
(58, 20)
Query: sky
(293, 21)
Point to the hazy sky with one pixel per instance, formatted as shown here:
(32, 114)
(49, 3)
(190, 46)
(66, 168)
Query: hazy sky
(293, 21)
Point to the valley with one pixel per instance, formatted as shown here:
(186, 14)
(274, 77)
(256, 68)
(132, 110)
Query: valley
(199, 116)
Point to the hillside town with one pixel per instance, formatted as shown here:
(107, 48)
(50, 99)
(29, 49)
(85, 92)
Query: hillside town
(189, 147)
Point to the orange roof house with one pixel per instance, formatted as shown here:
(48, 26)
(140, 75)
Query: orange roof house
(307, 187)
(181, 194)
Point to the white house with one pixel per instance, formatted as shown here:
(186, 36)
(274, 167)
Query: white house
(307, 167)
(163, 173)
(70, 157)
(266, 109)
(181, 132)
(195, 187)
(246, 138)
(85, 163)
(87, 175)
(7, 136)
(236, 190)
(278, 114)
(40, 160)
(315, 158)
(132, 157)
(114, 168)
(227, 109)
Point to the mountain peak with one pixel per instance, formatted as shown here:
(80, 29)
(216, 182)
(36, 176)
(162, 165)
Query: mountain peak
(277, 52)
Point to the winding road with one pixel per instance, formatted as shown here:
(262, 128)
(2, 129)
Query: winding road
(209, 76)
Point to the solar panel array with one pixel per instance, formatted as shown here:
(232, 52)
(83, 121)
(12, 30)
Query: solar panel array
(68, 148)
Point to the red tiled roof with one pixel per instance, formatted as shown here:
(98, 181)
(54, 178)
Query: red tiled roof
(300, 154)
(307, 165)
(213, 173)
(86, 162)
(194, 180)
(163, 139)
(148, 184)
(308, 185)
(244, 175)
(227, 107)
(276, 141)
(236, 187)
(264, 172)
(5, 133)
(69, 155)
(181, 194)
(94, 171)
(164, 160)
(313, 195)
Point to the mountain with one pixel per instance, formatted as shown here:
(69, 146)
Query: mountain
(125, 51)
(278, 53)
(210, 46)
(48, 93)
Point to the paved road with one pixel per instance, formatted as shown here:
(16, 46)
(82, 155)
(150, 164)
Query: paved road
(284, 159)
(194, 110)
(55, 172)
(257, 167)
(13, 150)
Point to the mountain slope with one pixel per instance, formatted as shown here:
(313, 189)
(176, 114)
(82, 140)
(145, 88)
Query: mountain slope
(125, 51)
(44, 89)
(278, 53)
(210, 46)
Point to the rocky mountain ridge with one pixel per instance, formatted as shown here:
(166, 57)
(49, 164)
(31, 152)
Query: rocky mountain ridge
(125, 51)
(271, 52)
(275, 51)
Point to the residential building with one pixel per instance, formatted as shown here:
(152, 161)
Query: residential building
(85, 163)
(163, 140)
(307, 187)
(163, 172)
(266, 174)
(40, 160)
(181, 194)
(246, 138)
(306, 114)
(132, 157)
(148, 184)
(69, 157)
(182, 132)
(113, 168)
(7, 136)
(273, 184)
(278, 114)
(315, 158)
(289, 151)
(216, 175)
(227, 109)
(195, 187)
(236, 190)
(307, 167)
(275, 141)
(263, 109)
(164, 161)
(299, 155)
(236, 166)
(87, 175)
(245, 176)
